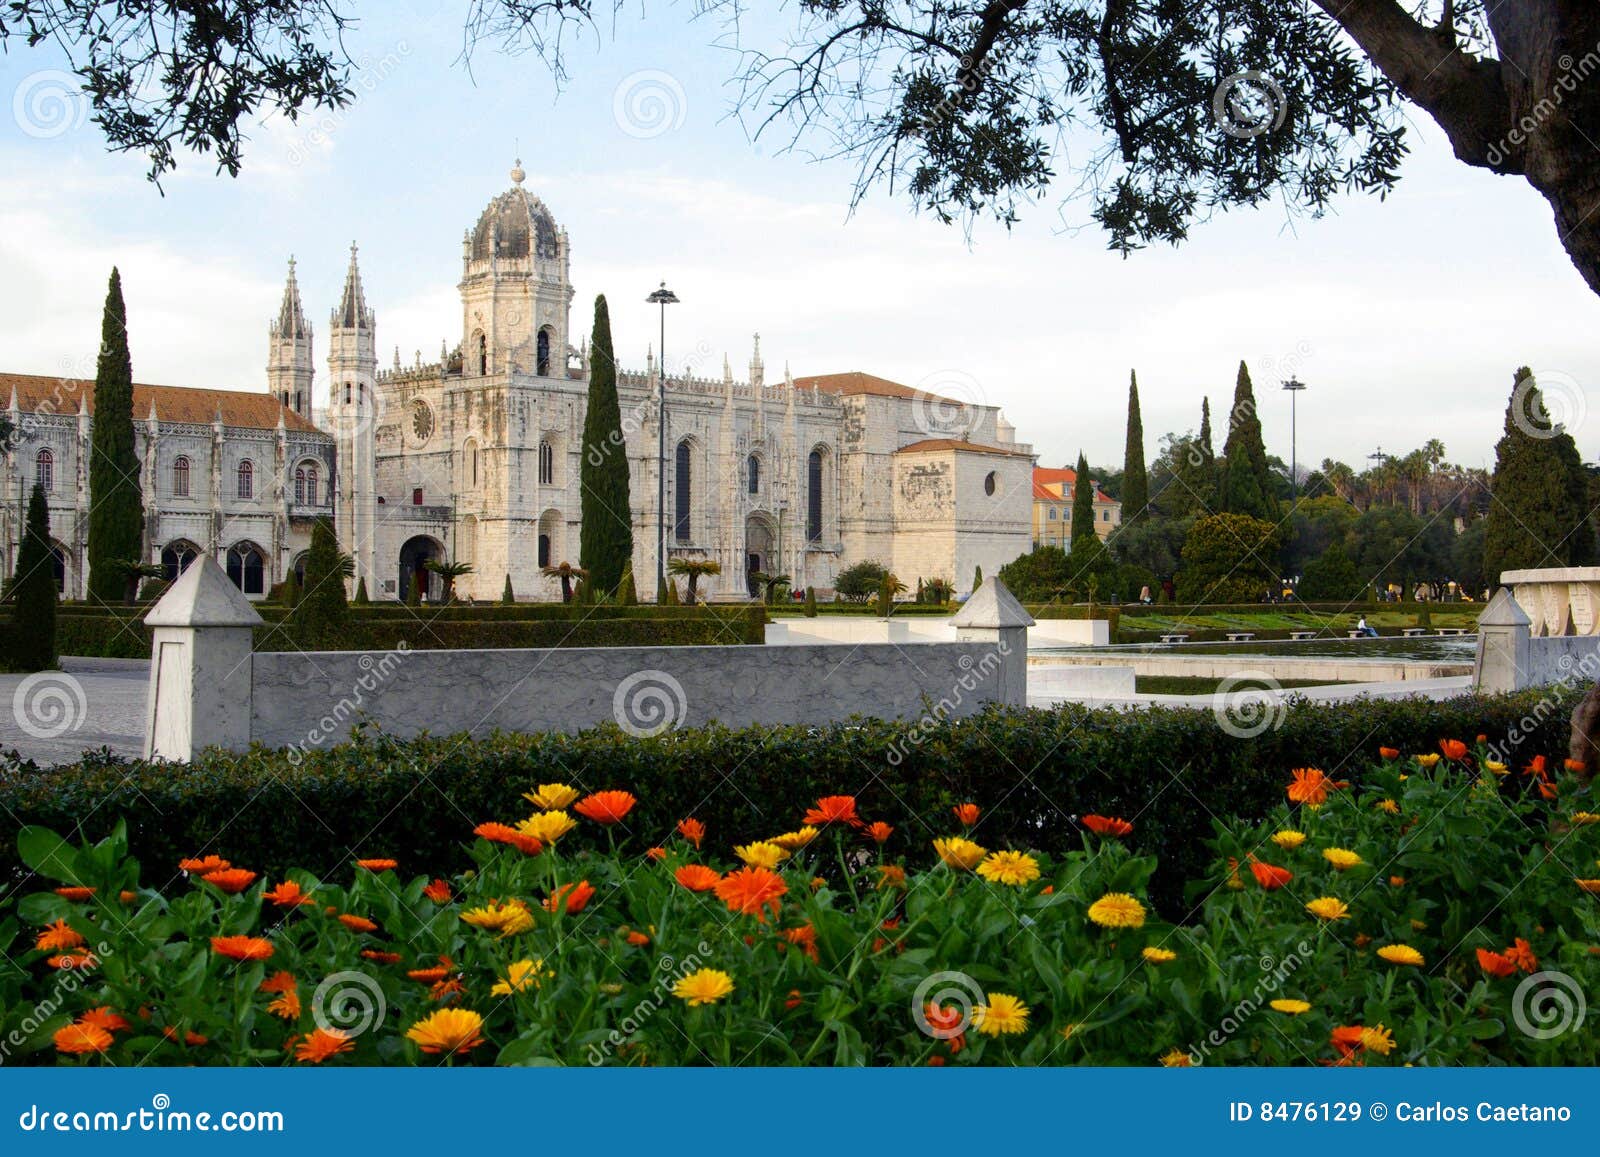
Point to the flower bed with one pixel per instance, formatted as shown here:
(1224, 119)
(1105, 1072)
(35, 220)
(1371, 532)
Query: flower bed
(1402, 921)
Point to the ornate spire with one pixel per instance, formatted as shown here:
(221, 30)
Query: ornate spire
(758, 375)
(353, 312)
(291, 318)
(517, 175)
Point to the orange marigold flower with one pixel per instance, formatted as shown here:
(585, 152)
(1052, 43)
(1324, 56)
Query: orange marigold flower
(1576, 766)
(638, 939)
(380, 865)
(1494, 964)
(242, 947)
(891, 876)
(946, 1024)
(189, 1036)
(381, 957)
(505, 834)
(77, 958)
(655, 855)
(105, 1017)
(288, 895)
(1310, 786)
(805, 938)
(1389, 752)
(817, 883)
(438, 891)
(429, 975)
(127, 897)
(1397, 881)
(450, 1030)
(606, 807)
(752, 891)
(321, 1043)
(82, 1038)
(75, 892)
(1269, 876)
(1453, 749)
(230, 880)
(357, 923)
(280, 981)
(201, 867)
(1547, 791)
(1536, 767)
(879, 831)
(1107, 825)
(572, 897)
(1521, 954)
(692, 830)
(794, 999)
(697, 877)
(58, 936)
(287, 1005)
(967, 813)
(834, 809)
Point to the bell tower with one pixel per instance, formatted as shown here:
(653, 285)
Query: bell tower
(289, 365)
(353, 419)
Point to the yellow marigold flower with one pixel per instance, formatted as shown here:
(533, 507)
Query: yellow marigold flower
(1341, 858)
(1069, 1030)
(1429, 759)
(1117, 910)
(1377, 1040)
(1159, 955)
(1590, 886)
(1581, 818)
(794, 841)
(547, 827)
(1288, 839)
(1014, 868)
(1388, 805)
(522, 974)
(762, 854)
(1418, 925)
(1401, 954)
(450, 1030)
(1292, 1007)
(1495, 768)
(1000, 1015)
(707, 986)
(510, 919)
(1177, 1059)
(552, 796)
(1328, 908)
(959, 852)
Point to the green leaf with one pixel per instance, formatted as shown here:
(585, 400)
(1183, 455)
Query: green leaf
(48, 854)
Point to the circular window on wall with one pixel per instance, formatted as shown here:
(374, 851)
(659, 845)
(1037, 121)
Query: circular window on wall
(991, 483)
(421, 420)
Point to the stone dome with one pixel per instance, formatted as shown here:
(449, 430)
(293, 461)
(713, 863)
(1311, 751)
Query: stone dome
(516, 224)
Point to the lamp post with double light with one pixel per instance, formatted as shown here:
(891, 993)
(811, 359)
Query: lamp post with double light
(662, 297)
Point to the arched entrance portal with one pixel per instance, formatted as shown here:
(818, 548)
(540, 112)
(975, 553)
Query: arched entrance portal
(414, 556)
(758, 550)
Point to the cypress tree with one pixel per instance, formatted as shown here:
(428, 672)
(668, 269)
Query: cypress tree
(606, 535)
(322, 612)
(116, 510)
(811, 602)
(1135, 483)
(507, 596)
(1246, 481)
(1082, 504)
(627, 593)
(33, 591)
(977, 578)
(1539, 513)
(361, 598)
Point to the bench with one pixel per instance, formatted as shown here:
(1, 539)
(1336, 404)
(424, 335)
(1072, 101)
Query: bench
(1240, 636)
(1452, 630)
(1413, 632)
(1354, 634)
(1301, 636)
(1174, 638)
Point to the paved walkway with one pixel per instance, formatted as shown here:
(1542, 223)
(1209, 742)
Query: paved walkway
(55, 716)
(1447, 688)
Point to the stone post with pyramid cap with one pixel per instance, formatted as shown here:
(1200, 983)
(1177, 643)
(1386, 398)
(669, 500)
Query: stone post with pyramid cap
(1505, 636)
(200, 665)
(993, 614)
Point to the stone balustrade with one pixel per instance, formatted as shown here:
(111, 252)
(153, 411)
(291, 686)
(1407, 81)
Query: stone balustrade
(1558, 600)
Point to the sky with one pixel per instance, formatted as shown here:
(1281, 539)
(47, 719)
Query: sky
(1406, 318)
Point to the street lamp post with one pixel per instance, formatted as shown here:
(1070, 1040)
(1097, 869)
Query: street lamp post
(1294, 386)
(662, 297)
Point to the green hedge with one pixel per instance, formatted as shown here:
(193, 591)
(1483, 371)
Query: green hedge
(1169, 770)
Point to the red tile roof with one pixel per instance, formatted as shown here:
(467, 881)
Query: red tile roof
(249, 409)
(959, 445)
(1045, 476)
(856, 382)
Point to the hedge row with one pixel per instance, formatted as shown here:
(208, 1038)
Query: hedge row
(1169, 770)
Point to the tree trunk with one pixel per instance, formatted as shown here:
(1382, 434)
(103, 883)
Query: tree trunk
(1584, 746)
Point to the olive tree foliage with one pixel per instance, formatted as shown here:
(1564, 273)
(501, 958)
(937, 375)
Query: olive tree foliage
(1158, 113)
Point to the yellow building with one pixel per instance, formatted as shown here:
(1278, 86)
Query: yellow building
(1052, 508)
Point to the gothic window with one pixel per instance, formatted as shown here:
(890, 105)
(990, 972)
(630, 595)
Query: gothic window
(176, 557)
(544, 550)
(347, 393)
(753, 468)
(681, 493)
(44, 470)
(814, 497)
(247, 479)
(544, 353)
(180, 477)
(472, 463)
(547, 464)
(480, 351)
(247, 568)
(300, 486)
(311, 485)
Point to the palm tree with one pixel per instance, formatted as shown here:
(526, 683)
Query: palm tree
(888, 587)
(692, 569)
(133, 572)
(768, 585)
(566, 572)
(448, 572)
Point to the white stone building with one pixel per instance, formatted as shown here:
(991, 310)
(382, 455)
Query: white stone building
(477, 457)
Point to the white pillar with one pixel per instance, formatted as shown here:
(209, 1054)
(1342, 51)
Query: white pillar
(1505, 635)
(993, 615)
(199, 665)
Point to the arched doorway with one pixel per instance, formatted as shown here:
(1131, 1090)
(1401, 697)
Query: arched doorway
(758, 551)
(551, 545)
(58, 567)
(247, 567)
(414, 556)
